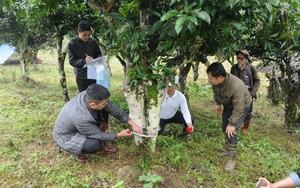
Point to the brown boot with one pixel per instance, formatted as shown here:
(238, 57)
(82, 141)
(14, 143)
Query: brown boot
(103, 126)
(108, 148)
(230, 164)
(104, 145)
(246, 126)
(81, 159)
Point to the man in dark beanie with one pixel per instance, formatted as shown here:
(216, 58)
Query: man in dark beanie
(248, 74)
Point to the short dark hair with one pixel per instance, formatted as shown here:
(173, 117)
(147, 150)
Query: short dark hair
(96, 93)
(84, 26)
(216, 69)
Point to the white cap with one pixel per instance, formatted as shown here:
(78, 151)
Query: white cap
(176, 81)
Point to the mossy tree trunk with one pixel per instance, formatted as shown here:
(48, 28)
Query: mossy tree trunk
(195, 67)
(61, 66)
(141, 92)
(25, 51)
(144, 102)
(274, 90)
(33, 58)
(184, 71)
(291, 90)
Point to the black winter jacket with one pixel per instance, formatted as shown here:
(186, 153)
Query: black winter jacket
(77, 50)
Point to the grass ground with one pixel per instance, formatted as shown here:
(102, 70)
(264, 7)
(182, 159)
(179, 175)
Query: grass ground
(30, 158)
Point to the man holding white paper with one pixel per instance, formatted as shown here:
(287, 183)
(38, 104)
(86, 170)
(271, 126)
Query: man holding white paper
(83, 49)
(98, 71)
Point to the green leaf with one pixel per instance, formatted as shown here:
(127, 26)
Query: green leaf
(200, 2)
(155, 76)
(192, 5)
(156, 27)
(237, 25)
(202, 15)
(232, 3)
(168, 44)
(120, 37)
(191, 26)
(136, 58)
(120, 183)
(156, 14)
(134, 82)
(274, 35)
(140, 73)
(180, 23)
(151, 60)
(193, 19)
(269, 7)
(169, 15)
(148, 185)
(117, 16)
(226, 30)
(167, 70)
(155, 68)
(173, 2)
(242, 12)
(21, 14)
(271, 19)
(160, 85)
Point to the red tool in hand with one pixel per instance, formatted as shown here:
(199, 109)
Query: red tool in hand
(189, 129)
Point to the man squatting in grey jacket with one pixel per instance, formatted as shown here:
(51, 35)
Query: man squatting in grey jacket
(230, 92)
(76, 128)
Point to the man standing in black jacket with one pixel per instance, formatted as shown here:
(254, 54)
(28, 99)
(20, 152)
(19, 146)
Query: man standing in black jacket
(83, 49)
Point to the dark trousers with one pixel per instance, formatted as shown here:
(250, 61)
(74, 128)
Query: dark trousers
(91, 146)
(177, 118)
(227, 112)
(249, 113)
(83, 84)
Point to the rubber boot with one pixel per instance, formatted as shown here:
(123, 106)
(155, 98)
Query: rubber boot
(230, 164)
(104, 127)
(246, 126)
(225, 152)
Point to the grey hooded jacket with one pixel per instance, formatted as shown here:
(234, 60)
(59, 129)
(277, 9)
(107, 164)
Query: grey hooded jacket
(76, 122)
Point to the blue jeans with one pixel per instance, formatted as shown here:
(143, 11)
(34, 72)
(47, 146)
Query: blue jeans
(227, 112)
